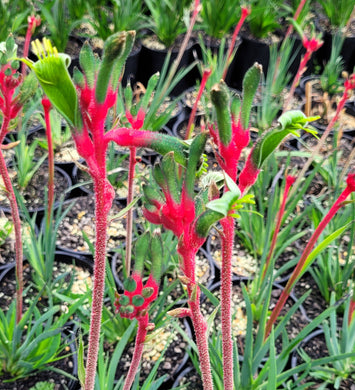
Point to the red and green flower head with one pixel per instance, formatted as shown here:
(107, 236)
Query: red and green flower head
(15, 89)
(170, 199)
(137, 297)
(230, 131)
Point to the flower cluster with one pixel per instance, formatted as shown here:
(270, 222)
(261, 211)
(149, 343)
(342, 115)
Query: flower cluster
(136, 298)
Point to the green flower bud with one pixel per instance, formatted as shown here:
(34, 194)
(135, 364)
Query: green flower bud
(137, 300)
(130, 284)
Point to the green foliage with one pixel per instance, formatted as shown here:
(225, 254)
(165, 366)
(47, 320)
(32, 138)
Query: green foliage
(52, 73)
(340, 343)
(43, 386)
(167, 19)
(264, 18)
(291, 122)
(276, 80)
(12, 17)
(6, 228)
(61, 133)
(219, 17)
(331, 74)
(35, 342)
(338, 12)
(335, 265)
(24, 162)
(56, 16)
(120, 16)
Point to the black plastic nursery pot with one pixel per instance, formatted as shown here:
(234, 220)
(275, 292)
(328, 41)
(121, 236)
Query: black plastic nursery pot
(347, 52)
(132, 65)
(188, 379)
(249, 52)
(152, 60)
(64, 262)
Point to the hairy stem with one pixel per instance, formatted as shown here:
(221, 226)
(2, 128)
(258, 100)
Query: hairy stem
(205, 76)
(138, 351)
(227, 240)
(103, 202)
(277, 229)
(17, 227)
(132, 164)
(198, 321)
(301, 263)
(46, 106)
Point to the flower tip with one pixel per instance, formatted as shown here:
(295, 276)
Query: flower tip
(350, 181)
(290, 180)
(46, 104)
(246, 11)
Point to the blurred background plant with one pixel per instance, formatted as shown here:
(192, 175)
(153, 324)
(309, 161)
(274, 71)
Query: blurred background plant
(58, 23)
(13, 18)
(218, 17)
(24, 163)
(36, 342)
(265, 17)
(168, 19)
(120, 16)
(337, 13)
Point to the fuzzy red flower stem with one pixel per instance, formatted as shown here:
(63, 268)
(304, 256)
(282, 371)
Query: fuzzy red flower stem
(295, 16)
(205, 76)
(16, 221)
(311, 46)
(198, 321)
(287, 35)
(227, 242)
(103, 202)
(138, 351)
(245, 13)
(289, 181)
(351, 310)
(33, 22)
(47, 107)
(307, 251)
(132, 164)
